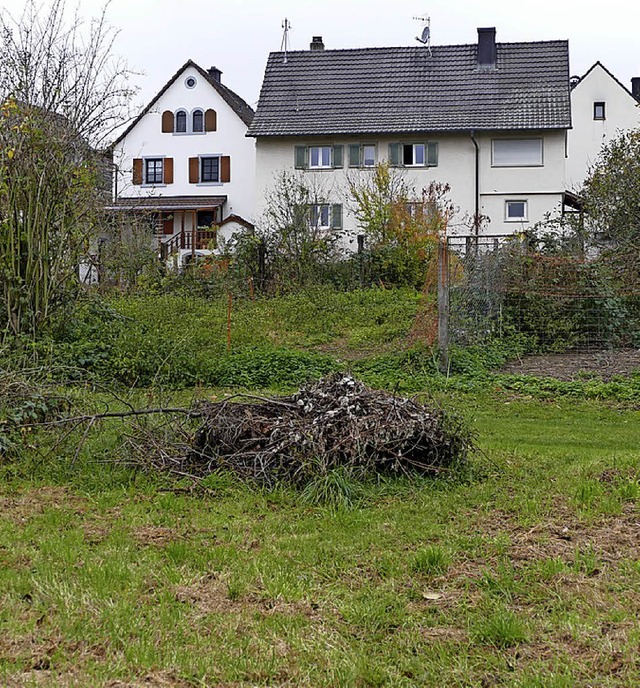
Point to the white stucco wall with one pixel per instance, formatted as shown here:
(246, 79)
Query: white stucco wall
(147, 140)
(540, 186)
(588, 134)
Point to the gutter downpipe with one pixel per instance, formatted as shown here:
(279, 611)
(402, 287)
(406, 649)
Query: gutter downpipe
(476, 214)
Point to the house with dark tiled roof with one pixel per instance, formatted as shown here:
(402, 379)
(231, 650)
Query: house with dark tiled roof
(186, 164)
(601, 107)
(489, 119)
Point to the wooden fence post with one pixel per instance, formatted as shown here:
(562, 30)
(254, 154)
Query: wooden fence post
(443, 304)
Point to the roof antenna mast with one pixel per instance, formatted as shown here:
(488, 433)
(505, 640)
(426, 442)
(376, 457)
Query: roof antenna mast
(284, 46)
(425, 36)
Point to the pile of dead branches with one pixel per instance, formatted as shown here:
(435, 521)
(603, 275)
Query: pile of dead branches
(334, 423)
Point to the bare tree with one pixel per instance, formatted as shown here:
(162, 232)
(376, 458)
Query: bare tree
(62, 94)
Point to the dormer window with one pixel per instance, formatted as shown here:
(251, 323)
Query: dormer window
(598, 110)
(197, 121)
(181, 122)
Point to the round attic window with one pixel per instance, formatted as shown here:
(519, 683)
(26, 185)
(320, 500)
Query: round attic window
(190, 82)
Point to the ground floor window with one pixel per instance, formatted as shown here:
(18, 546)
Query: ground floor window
(515, 211)
(325, 216)
(207, 218)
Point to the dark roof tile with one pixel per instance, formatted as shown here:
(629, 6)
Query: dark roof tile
(396, 90)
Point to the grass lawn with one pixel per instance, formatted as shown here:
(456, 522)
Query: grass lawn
(524, 573)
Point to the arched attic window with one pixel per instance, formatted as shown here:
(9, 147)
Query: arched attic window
(181, 122)
(197, 121)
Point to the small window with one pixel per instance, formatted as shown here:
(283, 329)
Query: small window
(515, 211)
(153, 168)
(197, 122)
(368, 155)
(362, 155)
(325, 215)
(413, 154)
(190, 82)
(516, 152)
(598, 111)
(320, 216)
(181, 122)
(210, 169)
(320, 156)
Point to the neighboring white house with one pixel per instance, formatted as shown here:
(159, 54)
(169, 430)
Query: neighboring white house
(186, 162)
(601, 108)
(490, 119)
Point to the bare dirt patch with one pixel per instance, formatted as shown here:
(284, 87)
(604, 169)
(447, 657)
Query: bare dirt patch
(571, 366)
(22, 506)
(210, 594)
(155, 535)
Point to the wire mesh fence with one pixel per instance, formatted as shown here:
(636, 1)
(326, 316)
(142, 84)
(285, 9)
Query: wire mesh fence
(501, 286)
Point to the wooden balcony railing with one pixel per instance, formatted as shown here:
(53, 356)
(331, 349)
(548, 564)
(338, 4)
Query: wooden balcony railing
(196, 240)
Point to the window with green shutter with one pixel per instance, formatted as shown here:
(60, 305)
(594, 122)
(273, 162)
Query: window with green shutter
(354, 155)
(301, 157)
(325, 216)
(413, 154)
(336, 156)
(432, 154)
(336, 216)
(394, 154)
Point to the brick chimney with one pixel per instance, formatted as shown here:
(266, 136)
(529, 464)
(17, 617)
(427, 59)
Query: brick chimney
(487, 48)
(215, 74)
(316, 43)
(635, 87)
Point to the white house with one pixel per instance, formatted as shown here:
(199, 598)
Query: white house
(601, 108)
(186, 162)
(490, 119)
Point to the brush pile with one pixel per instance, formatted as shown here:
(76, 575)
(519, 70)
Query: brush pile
(334, 423)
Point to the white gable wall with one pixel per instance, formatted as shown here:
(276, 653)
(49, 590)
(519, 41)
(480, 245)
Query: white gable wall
(588, 134)
(146, 139)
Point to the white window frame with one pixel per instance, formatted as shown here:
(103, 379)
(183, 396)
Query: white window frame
(316, 211)
(415, 147)
(525, 215)
(498, 161)
(321, 157)
(372, 146)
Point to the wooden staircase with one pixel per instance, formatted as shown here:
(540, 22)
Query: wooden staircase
(194, 240)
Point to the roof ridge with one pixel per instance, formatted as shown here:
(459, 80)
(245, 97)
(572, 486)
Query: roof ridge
(413, 47)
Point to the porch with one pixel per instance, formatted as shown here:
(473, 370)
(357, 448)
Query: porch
(181, 223)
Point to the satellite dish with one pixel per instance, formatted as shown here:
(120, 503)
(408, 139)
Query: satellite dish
(426, 36)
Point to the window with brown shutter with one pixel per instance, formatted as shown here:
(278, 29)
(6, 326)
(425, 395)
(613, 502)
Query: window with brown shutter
(194, 170)
(210, 120)
(167, 122)
(137, 170)
(225, 168)
(168, 170)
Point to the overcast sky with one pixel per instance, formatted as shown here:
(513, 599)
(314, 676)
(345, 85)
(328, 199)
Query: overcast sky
(158, 36)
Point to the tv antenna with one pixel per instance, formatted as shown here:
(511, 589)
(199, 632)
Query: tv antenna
(425, 36)
(284, 46)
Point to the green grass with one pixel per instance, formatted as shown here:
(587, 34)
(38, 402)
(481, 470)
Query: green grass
(523, 572)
